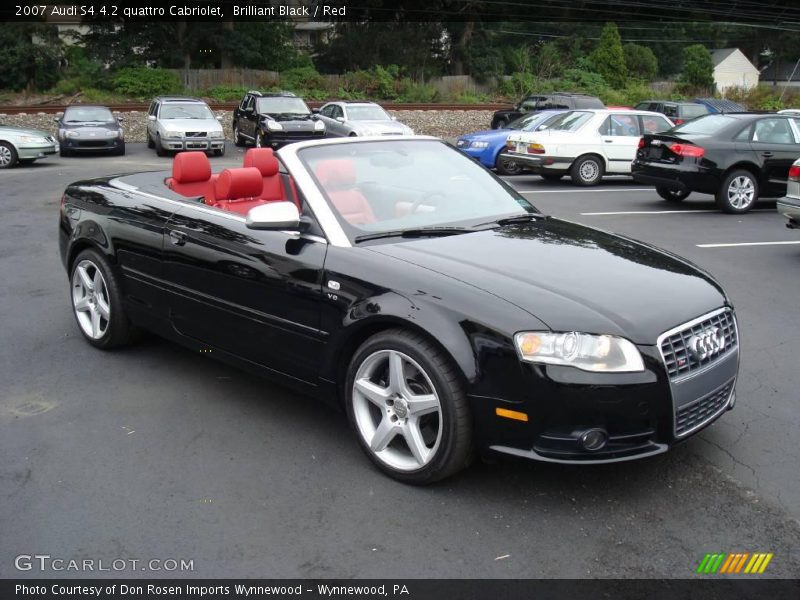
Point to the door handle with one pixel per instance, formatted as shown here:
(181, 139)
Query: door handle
(766, 154)
(177, 238)
(609, 141)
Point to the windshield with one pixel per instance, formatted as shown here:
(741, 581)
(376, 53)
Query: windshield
(571, 121)
(186, 111)
(530, 121)
(367, 113)
(710, 124)
(378, 187)
(94, 114)
(275, 105)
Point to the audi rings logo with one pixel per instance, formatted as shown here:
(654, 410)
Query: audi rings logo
(707, 343)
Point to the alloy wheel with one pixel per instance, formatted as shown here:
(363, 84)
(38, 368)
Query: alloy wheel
(741, 192)
(397, 410)
(5, 156)
(589, 170)
(90, 299)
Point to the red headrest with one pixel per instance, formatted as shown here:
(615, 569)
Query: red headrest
(189, 167)
(338, 173)
(262, 159)
(239, 183)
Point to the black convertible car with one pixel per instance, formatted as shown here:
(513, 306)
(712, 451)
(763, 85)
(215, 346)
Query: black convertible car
(737, 157)
(408, 284)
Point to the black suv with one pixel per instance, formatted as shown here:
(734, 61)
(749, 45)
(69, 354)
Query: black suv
(274, 119)
(537, 102)
(678, 112)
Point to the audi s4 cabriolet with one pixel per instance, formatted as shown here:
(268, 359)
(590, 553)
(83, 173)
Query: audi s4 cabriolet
(409, 285)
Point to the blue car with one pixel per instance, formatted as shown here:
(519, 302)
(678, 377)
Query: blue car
(486, 146)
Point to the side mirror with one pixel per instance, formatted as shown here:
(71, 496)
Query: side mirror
(340, 119)
(273, 216)
(394, 118)
(56, 119)
(249, 109)
(120, 119)
(151, 117)
(219, 118)
(315, 111)
(541, 128)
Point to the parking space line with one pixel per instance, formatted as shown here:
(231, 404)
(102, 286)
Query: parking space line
(663, 212)
(737, 244)
(601, 191)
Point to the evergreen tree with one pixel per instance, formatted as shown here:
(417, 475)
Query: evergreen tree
(698, 68)
(608, 57)
(641, 61)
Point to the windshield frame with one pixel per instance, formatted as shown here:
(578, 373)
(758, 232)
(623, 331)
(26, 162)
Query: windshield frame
(342, 233)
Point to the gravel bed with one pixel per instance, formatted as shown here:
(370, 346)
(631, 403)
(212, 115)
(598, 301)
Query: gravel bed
(440, 123)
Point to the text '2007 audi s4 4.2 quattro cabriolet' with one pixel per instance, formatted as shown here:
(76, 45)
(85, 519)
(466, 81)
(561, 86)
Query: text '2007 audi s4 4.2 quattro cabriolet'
(408, 284)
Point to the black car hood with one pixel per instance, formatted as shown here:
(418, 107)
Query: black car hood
(287, 117)
(571, 277)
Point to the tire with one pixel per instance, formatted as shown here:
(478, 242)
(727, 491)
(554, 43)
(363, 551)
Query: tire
(8, 155)
(587, 170)
(150, 143)
(551, 176)
(443, 431)
(352, 134)
(738, 192)
(259, 139)
(501, 123)
(62, 152)
(220, 152)
(672, 195)
(237, 137)
(159, 148)
(120, 151)
(97, 302)
(507, 166)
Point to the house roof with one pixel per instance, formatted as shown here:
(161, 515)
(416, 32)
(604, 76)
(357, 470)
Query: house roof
(719, 55)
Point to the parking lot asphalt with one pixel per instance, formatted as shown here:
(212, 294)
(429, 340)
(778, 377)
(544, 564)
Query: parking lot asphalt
(154, 452)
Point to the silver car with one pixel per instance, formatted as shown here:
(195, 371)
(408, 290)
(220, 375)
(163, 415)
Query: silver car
(360, 118)
(84, 128)
(176, 123)
(19, 145)
(789, 205)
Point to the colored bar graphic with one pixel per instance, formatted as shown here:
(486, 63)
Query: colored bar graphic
(741, 562)
(734, 562)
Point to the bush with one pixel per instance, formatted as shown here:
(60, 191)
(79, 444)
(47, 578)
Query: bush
(303, 80)
(408, 91)
(142, 82)
(226, 93)
(641, 61)
(516, 86)
(698, 68)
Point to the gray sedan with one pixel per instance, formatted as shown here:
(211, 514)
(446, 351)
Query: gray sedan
(360, 118)
(24, 145)
(89, 129)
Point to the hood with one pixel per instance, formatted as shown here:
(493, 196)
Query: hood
(90, 126)
(378, 127)
(489, 135)
(192, 124)
(23, 131)
(571, 277)
(288, 117)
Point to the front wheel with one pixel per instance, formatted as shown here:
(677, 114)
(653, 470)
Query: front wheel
(507, 166)
(8, 155)
(238, 140)
(259, 139)
(220, 152)
(97, 302)
(159, 148)
(150, 143)
(738, 192)
(587, 170)
(121, 150)
(408, 407)
(671, 195)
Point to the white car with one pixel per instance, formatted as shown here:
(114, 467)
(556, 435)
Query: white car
(176, 123)
(789, 205)
(586, 144)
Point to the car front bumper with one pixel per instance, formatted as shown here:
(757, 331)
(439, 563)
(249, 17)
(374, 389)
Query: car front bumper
(92, 144)
(198, 143)
(640, 414)
(486, 156)
(33, 151)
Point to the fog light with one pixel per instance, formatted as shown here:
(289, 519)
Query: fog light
(593, 439)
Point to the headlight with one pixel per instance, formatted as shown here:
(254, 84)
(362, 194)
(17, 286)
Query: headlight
(598, 353)
(72, 134)
(480, 144)
(113, 133)
(319, 125)
(216, 135)
(173, 134)
(30, 139)
(274, 126)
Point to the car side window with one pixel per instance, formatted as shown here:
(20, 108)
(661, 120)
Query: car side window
(336, 112)
(326, 110)
(243, 103)
(620, 126)
(531, 103)
(671, 110)
(773, 131)
(654, 124)
(251, 102)
(744, 135)
(153, 108)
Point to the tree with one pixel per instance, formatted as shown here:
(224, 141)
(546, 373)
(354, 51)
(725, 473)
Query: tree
(698, 68)
(30, 55)
(608, 57)
(641, 61)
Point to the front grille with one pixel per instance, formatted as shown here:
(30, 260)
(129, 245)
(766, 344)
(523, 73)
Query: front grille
(195, 134)
(701, 411)
(675, 346)
(94, 144)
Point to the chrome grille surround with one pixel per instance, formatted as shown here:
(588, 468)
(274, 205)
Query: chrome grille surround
(674, 344)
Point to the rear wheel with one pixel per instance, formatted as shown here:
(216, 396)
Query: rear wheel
(587, 170)
(507, 166)
(738, 192)
(8, 155)
(97, 302)
(671, 195)
(408, 407)
(501, 123)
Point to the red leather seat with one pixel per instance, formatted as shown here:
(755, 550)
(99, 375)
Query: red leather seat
(265, 161)
(191, 176)
(338, 177)
(238, 190)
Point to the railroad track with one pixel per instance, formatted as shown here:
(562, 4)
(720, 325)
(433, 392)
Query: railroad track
(141, 107)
